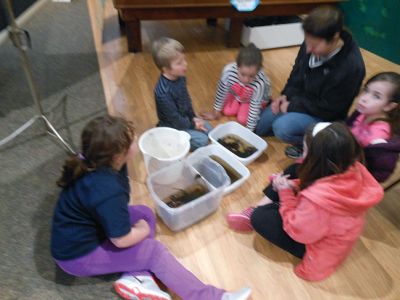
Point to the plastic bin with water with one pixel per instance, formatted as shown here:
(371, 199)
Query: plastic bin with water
(242, 132)
(181, 175)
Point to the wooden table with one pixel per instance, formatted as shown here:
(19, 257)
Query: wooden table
(131, 12)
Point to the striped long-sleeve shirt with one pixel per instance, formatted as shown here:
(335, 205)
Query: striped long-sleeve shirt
(261, 91)
(173, 103)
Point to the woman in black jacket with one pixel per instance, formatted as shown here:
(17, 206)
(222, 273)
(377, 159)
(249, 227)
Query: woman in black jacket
(326, 77)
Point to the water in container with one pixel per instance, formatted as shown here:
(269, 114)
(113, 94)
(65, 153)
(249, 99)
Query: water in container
(183, 196)
(237, 145)
(232, 173)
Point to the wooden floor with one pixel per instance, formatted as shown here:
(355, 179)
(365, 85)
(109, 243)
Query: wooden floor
(209, 249)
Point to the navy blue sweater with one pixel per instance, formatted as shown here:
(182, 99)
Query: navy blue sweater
(173, 103)
(89, 211)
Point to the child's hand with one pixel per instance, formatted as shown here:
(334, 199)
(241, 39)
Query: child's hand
(199, 124)
(213, 115)
(281, 182)
(139, 231)
(273, 176)
(143, 227)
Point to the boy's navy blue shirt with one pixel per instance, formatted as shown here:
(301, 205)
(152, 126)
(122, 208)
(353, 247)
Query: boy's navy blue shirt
(173, 103)
(88, 212)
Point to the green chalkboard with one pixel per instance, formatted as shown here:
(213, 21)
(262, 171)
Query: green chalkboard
(376, 25)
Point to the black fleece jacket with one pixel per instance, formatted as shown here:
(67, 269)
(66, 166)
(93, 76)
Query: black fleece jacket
(327, 91)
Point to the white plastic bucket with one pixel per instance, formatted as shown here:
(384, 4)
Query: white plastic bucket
(162, 146)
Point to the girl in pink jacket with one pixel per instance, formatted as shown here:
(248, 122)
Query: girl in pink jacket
(320, 216)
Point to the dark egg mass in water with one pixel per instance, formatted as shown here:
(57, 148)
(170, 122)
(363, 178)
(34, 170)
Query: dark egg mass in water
(237, 145)
(183, 196)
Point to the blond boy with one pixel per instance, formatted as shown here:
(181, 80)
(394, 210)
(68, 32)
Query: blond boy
(173, 103)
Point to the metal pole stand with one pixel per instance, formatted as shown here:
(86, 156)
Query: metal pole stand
(21, 40)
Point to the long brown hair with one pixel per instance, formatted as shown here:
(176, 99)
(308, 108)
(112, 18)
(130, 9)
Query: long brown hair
(331, 151)
(393, 116)
(101, 139)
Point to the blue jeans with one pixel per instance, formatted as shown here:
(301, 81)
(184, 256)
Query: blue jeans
(199, 138)
(289, 127)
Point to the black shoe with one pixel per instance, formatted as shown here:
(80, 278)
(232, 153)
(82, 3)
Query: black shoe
(294, 152)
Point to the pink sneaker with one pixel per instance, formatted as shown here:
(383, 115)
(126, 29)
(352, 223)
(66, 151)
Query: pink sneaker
(240, 221)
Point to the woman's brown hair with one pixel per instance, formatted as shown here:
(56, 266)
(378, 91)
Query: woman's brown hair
(331, 151)
(101, 139)
(324, 22)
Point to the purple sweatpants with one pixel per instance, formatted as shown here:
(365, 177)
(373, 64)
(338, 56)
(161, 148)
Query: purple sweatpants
(147, 256)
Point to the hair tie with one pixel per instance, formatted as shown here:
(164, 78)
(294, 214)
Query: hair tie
(320, 126)
(81, 156)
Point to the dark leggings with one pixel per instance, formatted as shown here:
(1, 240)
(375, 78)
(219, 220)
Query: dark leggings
(267, 220)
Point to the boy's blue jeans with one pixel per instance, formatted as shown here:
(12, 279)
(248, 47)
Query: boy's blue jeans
(199, 138)
(289, 127)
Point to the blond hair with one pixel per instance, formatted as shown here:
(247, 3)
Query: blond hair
(164, 50)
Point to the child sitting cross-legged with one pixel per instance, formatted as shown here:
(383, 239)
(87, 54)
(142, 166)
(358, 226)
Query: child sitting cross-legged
(243, 88)
(95, 231)
(376, 123)
(319, 216)
(173, 102)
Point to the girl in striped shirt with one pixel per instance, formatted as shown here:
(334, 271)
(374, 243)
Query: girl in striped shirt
(242, 89)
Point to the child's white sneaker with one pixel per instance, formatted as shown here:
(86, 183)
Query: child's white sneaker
(139, 288)
(241, 294)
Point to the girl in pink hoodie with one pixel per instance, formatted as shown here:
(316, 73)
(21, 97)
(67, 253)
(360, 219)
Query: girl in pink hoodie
(320, 216)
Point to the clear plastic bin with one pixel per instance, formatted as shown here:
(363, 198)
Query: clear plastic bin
(229, 158)
(180, 176)
(247, 135)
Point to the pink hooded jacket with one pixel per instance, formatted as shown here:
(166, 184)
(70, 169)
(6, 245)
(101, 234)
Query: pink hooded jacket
(328, 217)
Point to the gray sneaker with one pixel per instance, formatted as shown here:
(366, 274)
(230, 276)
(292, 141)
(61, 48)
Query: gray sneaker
(294, 152)
(241, 294)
